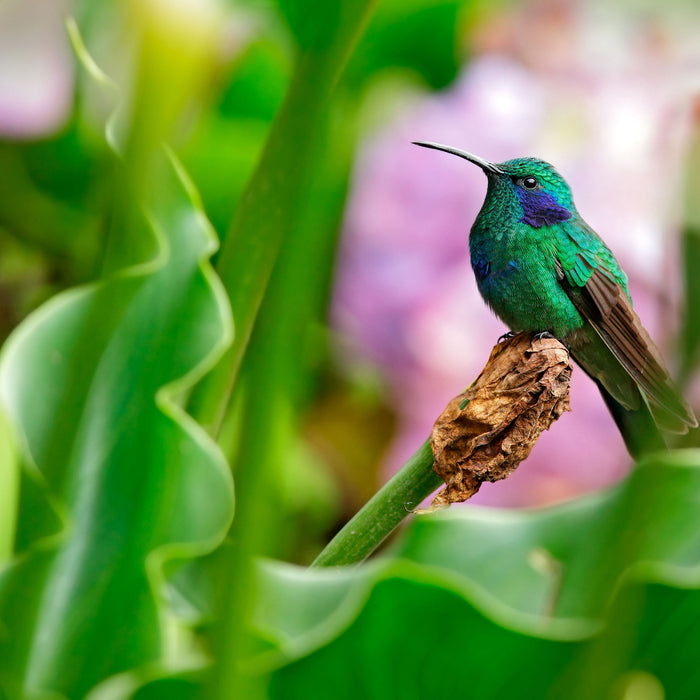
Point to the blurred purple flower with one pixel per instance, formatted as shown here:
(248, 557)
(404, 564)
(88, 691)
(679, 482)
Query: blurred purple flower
(615, 123)
(36, 67)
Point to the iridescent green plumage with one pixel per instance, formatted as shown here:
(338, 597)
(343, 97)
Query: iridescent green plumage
(540, 267)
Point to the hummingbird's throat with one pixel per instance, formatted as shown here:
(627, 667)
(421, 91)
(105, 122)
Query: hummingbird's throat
(541, 208)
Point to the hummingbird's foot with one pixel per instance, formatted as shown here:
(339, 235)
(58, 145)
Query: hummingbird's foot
(505, 336)
(542, 334)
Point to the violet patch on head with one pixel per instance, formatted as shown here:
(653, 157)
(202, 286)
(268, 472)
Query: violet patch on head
(541, 208)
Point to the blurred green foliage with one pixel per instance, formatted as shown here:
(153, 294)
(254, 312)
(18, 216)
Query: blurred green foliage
(690, 336)
(122, 576)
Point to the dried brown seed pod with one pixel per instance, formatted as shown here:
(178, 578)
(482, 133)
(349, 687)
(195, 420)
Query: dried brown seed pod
(485, 432)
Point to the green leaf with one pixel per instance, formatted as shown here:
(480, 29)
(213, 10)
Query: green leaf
(690, 338)
(9, 489)
(92, 382)
(271, 205)
(690, 256)
(220, 159)
(258, 82)
(120, 485)
(418, 35)
(316, 24)
(566, 601)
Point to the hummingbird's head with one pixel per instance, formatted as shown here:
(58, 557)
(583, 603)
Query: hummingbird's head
(530, 188)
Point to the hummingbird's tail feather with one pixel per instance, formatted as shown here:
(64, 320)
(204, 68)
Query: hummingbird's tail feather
(641, 418)
(637, 426)
(670, 416)
(608, 309)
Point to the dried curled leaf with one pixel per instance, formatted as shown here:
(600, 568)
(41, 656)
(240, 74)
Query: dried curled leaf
(485, 432)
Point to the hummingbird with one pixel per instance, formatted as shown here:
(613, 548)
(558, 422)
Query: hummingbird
(542, 269)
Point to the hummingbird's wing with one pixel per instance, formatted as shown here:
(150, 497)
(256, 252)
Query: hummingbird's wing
(600, 298)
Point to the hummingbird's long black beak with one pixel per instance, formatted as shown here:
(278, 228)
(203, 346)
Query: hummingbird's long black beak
(483, 164)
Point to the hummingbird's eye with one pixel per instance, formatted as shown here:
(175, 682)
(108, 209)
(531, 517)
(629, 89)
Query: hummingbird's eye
(529, 182)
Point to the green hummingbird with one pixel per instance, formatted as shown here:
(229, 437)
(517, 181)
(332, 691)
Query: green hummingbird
(542, 268)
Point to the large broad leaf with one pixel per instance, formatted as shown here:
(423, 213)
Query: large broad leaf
(91, 382)
(570, 601)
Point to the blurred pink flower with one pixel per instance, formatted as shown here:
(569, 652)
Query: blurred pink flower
(36, 67)
(614, 122)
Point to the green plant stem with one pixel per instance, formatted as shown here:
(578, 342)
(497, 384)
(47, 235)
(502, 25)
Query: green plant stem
(384, 511)
(269, 209)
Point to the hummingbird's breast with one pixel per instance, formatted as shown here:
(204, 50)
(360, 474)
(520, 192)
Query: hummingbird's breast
(516, 275)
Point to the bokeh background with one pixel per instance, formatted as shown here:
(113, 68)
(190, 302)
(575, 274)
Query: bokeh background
(607, 92)
(356, 313)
